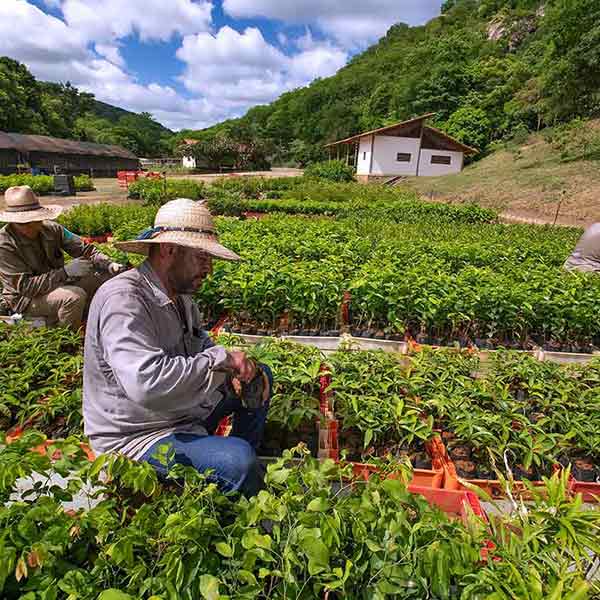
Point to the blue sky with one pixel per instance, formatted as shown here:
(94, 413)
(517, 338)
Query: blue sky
(192, 63)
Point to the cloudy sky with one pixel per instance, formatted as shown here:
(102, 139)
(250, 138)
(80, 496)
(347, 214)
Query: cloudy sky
(192, 63)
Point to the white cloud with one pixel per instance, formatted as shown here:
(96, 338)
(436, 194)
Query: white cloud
(241, 69)
(29, 34)
(112, 53)
(351, 22)
(150, 19)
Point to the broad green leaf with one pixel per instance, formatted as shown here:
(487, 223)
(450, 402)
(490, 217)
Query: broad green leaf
(209, 587)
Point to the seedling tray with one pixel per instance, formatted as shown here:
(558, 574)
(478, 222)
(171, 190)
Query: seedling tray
(493, 488)
(589, 491)
(452, 502)
(421, 478)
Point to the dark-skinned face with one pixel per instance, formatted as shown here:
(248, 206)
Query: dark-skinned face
(188, 269)
(30, 230)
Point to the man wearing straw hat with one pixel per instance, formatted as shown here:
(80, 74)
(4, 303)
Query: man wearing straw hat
(35, 280)
(152, 378)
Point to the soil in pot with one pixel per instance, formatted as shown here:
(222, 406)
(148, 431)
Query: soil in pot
(583, 469)
(466, 469)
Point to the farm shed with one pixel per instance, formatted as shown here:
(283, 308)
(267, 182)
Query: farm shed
(73, 157)
(407, 148)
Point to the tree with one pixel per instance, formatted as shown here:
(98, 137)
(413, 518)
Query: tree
(20, 99)
(471, 126)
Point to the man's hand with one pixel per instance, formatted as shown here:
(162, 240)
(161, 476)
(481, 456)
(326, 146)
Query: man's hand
(115, 268)
(80, 267)
(241, 367)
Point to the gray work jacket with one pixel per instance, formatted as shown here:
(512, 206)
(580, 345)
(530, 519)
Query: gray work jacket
(586, 256)
(146, 374)
(31, 268)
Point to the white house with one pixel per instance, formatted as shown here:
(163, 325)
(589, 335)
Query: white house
(189, 162)
(407, 148)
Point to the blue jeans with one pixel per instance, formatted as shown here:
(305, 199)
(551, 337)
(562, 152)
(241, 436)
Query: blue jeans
(231, 459)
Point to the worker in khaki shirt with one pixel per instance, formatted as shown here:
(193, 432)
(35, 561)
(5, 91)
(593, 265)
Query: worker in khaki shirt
(35, 280)
(586, 256)
(153, 379)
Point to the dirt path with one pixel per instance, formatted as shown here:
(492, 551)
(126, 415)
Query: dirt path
(534, 218)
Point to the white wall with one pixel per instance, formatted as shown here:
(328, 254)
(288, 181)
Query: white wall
(427, 169)
(189, 162)
(386, 149)
(364, 156)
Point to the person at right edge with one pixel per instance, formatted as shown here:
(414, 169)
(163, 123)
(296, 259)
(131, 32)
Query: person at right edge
(586, 256)
(153, 379)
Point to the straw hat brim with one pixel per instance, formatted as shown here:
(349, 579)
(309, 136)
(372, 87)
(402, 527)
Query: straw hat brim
(44, 213)
(188, 239)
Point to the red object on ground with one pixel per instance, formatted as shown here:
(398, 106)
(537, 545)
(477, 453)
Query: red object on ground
(224, 427)
(220, 324)
(345, 311)
(153, 175)
(492, 487)
(254, 215)
(454, 503)
(42, 449)
(325, 394)
(96, 239)
(589, 491)
(127, 177)
(427, 478)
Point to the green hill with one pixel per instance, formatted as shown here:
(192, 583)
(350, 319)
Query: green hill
(488, 68)
(61, 110)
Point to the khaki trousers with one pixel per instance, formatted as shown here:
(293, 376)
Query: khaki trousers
(67, 304)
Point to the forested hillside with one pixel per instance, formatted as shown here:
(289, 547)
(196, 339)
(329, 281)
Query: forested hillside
(61, 110)
(490, 69)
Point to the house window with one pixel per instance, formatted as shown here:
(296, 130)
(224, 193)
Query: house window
(403, 157)
(438, 159)
(364, 156)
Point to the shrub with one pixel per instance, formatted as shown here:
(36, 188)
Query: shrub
(155, 191)
(98, 219)
(84, 183)
(40, 184)
(255, 187)
(332, 170)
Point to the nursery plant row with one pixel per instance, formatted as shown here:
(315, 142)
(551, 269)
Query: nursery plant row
(522, 414)
(487, 285)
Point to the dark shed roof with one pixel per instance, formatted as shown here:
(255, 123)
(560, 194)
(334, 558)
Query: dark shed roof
(42, 143)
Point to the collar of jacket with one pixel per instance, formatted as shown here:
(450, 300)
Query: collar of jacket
(158, 289)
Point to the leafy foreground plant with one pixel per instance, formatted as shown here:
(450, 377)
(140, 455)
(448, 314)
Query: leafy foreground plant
(308, 532)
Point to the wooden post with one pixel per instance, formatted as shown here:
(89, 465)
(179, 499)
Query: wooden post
(372, 152)
(420, 148)
(356, 154)
(347, 154)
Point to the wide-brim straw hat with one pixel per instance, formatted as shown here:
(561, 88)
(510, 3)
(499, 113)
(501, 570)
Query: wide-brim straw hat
(183, 222)
(23, 206)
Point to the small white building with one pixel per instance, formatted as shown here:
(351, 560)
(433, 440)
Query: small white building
(187, 161)
(409, 148)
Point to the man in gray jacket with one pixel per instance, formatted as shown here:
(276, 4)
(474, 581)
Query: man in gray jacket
(152, 378)
(586, 256)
